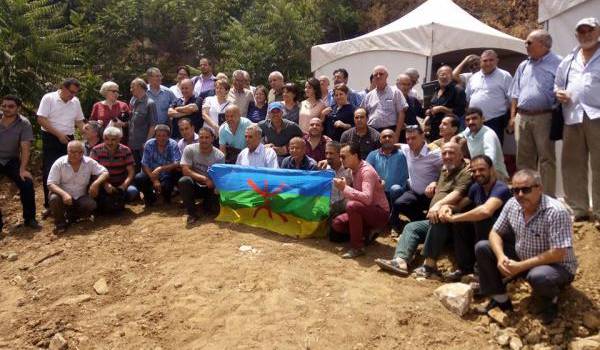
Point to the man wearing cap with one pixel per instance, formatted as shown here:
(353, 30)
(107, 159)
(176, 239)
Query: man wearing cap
(277, 131)
(577, 87)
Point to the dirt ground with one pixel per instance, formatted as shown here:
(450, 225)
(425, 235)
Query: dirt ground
(175, 288)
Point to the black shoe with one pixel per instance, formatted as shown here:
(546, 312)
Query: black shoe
(46, 214)
(33, 224)
(60, 228)
(549, 313)
(191, 220)
(505, 306)
(455, 276)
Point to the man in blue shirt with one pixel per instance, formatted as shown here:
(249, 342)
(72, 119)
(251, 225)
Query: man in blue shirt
(298, 159)
(160, 163)
(340, 76)
(390, 165)
(532, 94)
(162, 95)
(487, 196)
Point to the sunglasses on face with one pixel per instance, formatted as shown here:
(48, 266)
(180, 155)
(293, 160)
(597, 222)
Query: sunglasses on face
(525, 190)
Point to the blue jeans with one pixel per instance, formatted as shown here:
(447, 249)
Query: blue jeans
(433, 235)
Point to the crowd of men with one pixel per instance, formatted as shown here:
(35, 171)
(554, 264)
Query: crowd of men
(397, 164)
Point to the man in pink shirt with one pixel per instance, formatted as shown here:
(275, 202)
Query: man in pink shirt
(367, 208)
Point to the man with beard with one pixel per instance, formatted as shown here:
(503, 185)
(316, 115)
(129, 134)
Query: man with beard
(487, 195)
(390, 164)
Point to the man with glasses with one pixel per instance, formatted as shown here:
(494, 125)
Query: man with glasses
(532, 238)
(385, 106)
(577, 85)
(58, 114)
(532, 94)
(16, 135)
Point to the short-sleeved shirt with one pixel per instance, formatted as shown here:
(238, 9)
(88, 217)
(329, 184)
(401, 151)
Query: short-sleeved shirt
(367, 142)
(256, 114)
(153, 157)
(176, 91)
(194, 117)
(317, 153)
(200, 162)
(202, 85)
(116, 163)
(345, 114)
(261, 157)
(105, 113)
(490, 92)
(237, 140)
(241, 99)
(307, 112)
(486, 142)
(215, 108)
(533, 84)
(458, 180)
(292, 114)
(143, 119)
(423, 168)
(288, 131)
(182, 143)
(549, 228)
(307, 163)
(163, 98)
(383, 107)
(61, 115)
(74, 183)
(11, 137)
(500, 190)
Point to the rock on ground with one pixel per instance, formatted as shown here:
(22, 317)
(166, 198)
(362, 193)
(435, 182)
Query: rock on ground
(58, 342)
(456, 297)
(101, 287)
(499, 316)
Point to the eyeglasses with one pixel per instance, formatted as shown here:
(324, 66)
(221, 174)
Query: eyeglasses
(9, 106)
(114, 91)
(525, 190)
(380, 74)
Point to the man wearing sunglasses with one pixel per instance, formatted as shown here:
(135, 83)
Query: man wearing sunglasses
(533, 239)
(58, 114)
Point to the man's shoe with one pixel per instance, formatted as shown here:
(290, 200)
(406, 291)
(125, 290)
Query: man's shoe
(353, 253)
(581, 218)
(397, 266)
(33, 224)
(455, 276)
(46, 214)
(492, 304)
(428, 272)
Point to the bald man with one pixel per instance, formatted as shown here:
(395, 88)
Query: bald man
(298, 159)
(415, 108)
(187, 106)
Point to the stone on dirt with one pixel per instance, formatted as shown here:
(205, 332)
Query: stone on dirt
(590, 343)
(73, 300)
(456, 297)
(12, 256)
(499, 316)
(58, 342)
(515, 343)
(101, 287)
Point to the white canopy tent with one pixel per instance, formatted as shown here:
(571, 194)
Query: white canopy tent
(438, 31)
(560, 17)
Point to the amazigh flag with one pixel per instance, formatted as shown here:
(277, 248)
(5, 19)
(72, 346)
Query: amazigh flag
(290, 202)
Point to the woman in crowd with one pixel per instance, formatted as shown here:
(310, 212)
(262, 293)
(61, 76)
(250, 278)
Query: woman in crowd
(182, 73)
(257, 110)
(290, 102)
(110, 110)
(213, 110)
(339, 117)
(312, 106)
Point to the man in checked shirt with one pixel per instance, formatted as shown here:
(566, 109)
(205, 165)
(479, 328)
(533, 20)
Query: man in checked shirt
(533, 239)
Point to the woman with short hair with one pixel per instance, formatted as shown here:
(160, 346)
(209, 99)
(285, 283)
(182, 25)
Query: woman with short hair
(312, 106)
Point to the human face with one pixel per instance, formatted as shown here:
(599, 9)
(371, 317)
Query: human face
(349, 160)
(186, 130)
(482, 173)
(535, 48)
(360, 119)
(231, 118)
(187, 88)
(205, 68)
(587, 36)
(380, 76)
(324, 83)
(338, 78)
(252, 139)
(340, 97)
(260, 97)
(315, 127)
(89, 132)
(276, 116)
(528, 201)
(387, 140)
(74, 154)
(162, 137)
(332, 156)
(444, 76)
(297, 149)
(181, 74)
(70, 92)
(10, 108)
(288, 96)
(446, 128)
(220, 90)
(155, 79)
(415, 140)
(451, 156)
(239, 82)
(205, 139)
(136, 90)
(309, 91)
(111, 141)
(275, 82)
(404, 84)
(474, 122)
(488, 63)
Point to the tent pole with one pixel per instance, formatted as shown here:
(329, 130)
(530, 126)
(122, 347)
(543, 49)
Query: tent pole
(428, 67)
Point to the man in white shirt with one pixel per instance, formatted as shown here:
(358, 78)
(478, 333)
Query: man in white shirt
(256, 154)
(68, 181)
(58, 114)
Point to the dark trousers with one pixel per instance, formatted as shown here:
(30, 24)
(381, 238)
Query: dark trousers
(498, 124)
(465, 238)
(190, 190)
(115, 202)
(410, 204)
(82, 207)
(137, 159)
(545, 280)
(52, 149)
(144, 184)
(26, 191)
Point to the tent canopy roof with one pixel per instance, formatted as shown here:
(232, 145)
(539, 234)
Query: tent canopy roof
(551, 8)
(435, 27)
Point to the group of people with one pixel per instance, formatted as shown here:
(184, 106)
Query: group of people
(398, 165)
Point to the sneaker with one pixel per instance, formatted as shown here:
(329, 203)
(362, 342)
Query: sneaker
(428, 272)
(397, 266)
(492, 304)
(32, 223)
(353, 253)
